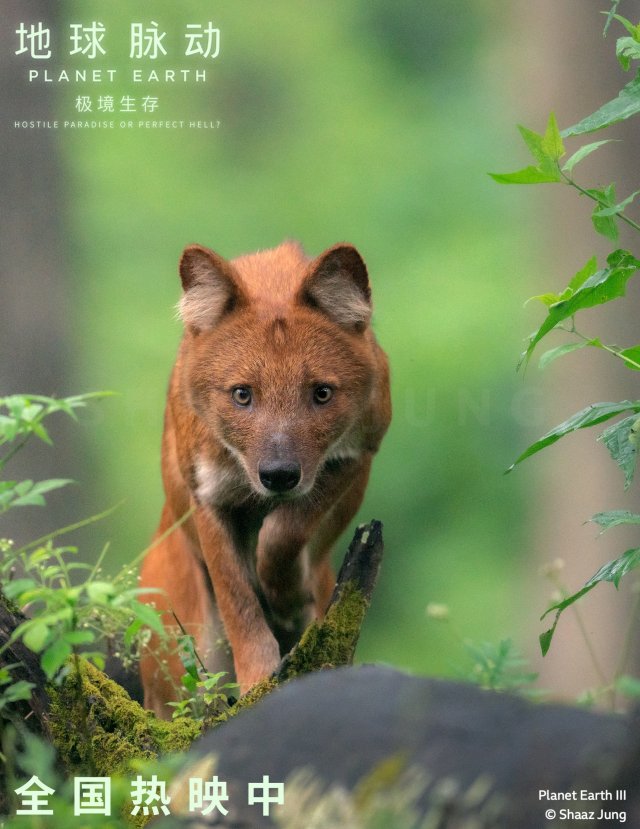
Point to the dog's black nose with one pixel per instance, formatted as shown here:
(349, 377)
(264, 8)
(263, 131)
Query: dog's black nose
(279, 476)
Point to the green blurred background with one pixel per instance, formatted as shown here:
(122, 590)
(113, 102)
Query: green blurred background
(372, 122)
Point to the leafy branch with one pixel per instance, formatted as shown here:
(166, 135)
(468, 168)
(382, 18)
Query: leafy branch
(21, 418)
(590, 287)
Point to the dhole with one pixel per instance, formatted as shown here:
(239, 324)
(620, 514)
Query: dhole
(277, 402)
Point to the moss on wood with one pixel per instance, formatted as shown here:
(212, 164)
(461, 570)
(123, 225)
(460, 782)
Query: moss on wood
(329, 643)
(97, 728)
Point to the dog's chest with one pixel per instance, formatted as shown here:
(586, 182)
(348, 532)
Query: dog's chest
(217, 485)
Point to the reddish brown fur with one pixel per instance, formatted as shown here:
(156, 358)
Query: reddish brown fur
(284, 328)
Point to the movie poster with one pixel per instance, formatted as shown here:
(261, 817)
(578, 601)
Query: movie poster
(290, 184)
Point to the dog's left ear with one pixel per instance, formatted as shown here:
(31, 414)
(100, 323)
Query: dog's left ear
(337, 284)
(211, 288)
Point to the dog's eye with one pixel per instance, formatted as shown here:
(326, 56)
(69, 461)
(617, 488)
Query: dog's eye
(322, 394)
(241, 395)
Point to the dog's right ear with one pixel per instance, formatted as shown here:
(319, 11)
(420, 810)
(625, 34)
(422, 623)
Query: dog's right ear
(211, 288)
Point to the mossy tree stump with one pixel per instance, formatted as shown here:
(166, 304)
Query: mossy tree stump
(97, 729)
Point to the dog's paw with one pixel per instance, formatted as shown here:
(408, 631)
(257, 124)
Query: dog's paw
(253, 663)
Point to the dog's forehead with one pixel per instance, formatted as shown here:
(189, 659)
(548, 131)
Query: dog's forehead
(301, 332)
(273, 275)
(280, 350)
(304, 349)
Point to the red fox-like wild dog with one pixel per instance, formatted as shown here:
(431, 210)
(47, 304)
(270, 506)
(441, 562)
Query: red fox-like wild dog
(277, 402)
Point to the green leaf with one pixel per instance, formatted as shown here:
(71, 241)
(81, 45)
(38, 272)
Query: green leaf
(614, 518)
(7, 493)
(28, 412)
(5, 672)
(498, 667)
(606, 225)
(54, 657)
(583, 152)
(616, 208)
(30, 494)
(17, 691)
(100, 591)
(39, 430)
(634, 31)
(23, 487)
(619, 109)
(535, 143)
(188, 656)
(212, 680)
(590, 416)
(79, 637)
(603, 286)
(189, 682)
(148, 616)
(546, 637)
(631, 357)
(546, 149)
(622, 450)
(96, 657)
(131, 631)
(52, 483)
(614, 571)
(35, 636)
(628, 685)
(552, 145)
(8, 429)
(545, 299)
(38, 556)
(549, 356)
(627, 50)
(528, 175)
(578, 280)
(16, 587)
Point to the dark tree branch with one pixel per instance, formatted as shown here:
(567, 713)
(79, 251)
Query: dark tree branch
(31, 712)
(332, 642)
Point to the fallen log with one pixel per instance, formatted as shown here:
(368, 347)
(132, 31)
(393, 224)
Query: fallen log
(370, 746)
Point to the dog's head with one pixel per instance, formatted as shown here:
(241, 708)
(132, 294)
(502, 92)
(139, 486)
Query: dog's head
(280, 360)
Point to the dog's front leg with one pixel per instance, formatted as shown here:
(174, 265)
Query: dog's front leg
(255, 651)
(283, 574)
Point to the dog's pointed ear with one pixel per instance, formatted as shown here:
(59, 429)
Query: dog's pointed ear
(211, 288)
(337, 284)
